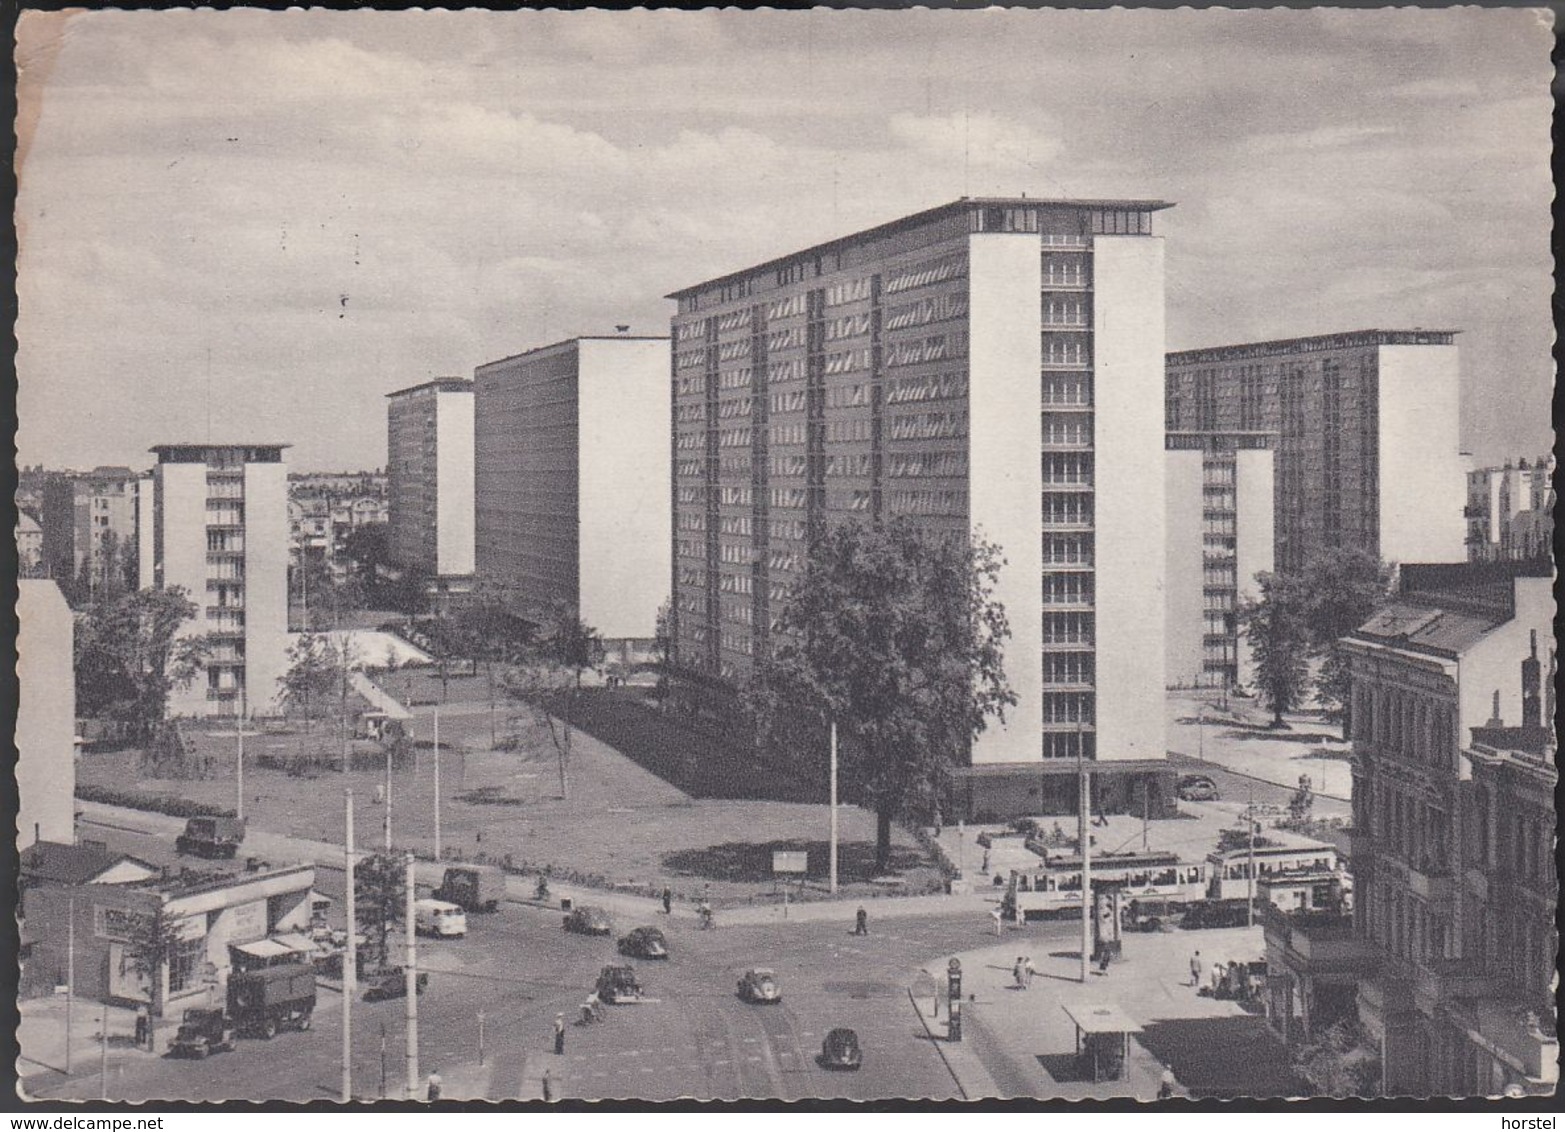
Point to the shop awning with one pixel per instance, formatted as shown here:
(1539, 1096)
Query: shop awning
(264, 949)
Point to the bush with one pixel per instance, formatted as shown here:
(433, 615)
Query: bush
(155, 803)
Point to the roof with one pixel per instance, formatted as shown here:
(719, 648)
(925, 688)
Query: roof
(1428, 628)
(439, 384)
(58, 863)
(1345, 340)
(912, 221)
(568, 342)
(1100, 1018)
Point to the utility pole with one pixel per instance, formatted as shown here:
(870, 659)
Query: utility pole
(410, 971)
(1084, 802)
(437, 783)
(388, 792)
(239, 762)
(70, 978)
(103, 1057)
(1249, 821)
(350, 957)
(834, 807)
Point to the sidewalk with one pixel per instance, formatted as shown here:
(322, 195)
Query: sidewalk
(41, 1038)
(1021, 1043)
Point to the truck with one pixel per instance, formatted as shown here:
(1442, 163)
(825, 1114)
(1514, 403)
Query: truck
(265, 1001)
(473, 888)
(203, 1031)
(211, 837)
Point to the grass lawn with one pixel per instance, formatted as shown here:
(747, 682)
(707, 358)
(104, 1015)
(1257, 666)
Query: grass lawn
(619, 822)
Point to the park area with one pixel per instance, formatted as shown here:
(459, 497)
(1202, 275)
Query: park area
(624, 820)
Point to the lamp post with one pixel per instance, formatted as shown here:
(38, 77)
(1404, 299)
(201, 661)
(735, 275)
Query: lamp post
(411, 974)
(834, 807)
(350, 956)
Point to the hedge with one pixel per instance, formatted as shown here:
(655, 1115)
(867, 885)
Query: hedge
(156, 803)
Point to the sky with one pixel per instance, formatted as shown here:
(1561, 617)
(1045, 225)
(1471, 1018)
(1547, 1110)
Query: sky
(251, 225)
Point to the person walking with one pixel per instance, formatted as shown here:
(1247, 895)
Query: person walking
(861, 922)
(994, 915)
(548, 1086)
(668, 901)
(434, 1087)
(1219, 973)
(1019, 973)
(1195, 969)
(559, 1034)
(1165, 1087)
(1028, 969)
(985, 867)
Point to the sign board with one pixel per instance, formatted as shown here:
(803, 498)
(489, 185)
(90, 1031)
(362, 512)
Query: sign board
(788, 861)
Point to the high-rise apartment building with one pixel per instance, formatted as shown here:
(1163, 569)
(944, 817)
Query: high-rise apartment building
(220, 531)
(45, 715)
(1220, 508)
(573, 484)
(1453, 829)
(89, 528)
(989, 365)
(1510, 511)
(429, 469)
(1367, 453)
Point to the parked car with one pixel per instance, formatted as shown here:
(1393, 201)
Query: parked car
(473, 888)
(760, 984)
(619, 984)
(841, 1050)
(392, 982)
(202, 1031)
(644, 943)
(588, 920)
(438, 918)
(211, 837)
(1198, 788)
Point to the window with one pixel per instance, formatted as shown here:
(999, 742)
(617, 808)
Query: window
(185, 964)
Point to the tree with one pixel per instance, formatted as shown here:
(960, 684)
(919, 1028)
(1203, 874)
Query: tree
(151, 944)
(894, 635)
(313, 673)
(1342, 588)
(380, 896)
(549, 676)
(486, 629)
(1274, 626)
(129, 656)
(662, 652)
(368, 548)
(1341, 1062)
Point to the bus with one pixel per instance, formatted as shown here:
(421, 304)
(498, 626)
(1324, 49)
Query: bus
(1055, 886)
(1228, 870)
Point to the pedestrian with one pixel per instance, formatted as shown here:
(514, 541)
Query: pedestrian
(1218, 973)
(985, 867)
(1195, 969)
(861, 922)
(1028, 968)
(559, 1034)
(548, 1087)
(143, 1027)
(434, 1086)
(1235, 981)
(994, 914)
(668, 901)
(1104, 955)
(1165, 1088)
(1019, 973)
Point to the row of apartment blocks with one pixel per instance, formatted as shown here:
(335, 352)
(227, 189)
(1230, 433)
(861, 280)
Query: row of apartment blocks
(906, 371)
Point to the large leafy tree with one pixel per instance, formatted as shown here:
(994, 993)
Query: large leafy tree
(130, 655)
(368, 547)
(486, 629)
(1341, 588)
(379, 897)
(894, 635)
(314, 673)
(1274, 624)
(548, 677)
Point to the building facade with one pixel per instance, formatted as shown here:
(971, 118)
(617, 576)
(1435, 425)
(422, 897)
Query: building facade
(1452, 852)
(573, 485)
(1221, 485)
(1510, 511)
(45, 714)
(430, 477)
(89, 529)
(29, 546)
(1367, 453)
(220, 531)
(986, 365)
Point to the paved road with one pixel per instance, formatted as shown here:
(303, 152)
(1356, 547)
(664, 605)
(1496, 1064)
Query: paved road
(519, 967)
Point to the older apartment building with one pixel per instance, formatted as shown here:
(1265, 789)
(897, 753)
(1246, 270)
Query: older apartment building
(1510, 511)
(988, 364)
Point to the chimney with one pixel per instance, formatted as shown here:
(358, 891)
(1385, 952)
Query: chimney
(1532, 704)
(1494, 715)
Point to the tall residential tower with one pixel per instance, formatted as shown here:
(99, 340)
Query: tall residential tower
(989, 365)
(429, 470)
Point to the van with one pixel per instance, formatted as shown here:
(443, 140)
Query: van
(437, 918)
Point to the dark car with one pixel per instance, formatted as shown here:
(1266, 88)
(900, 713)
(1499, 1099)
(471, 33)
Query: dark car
(841, 1050)
(1198, 788)
(618, 984)
(203, 1032)
(760, 985)
(587, 920)
(644, 943)
(391, 983)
